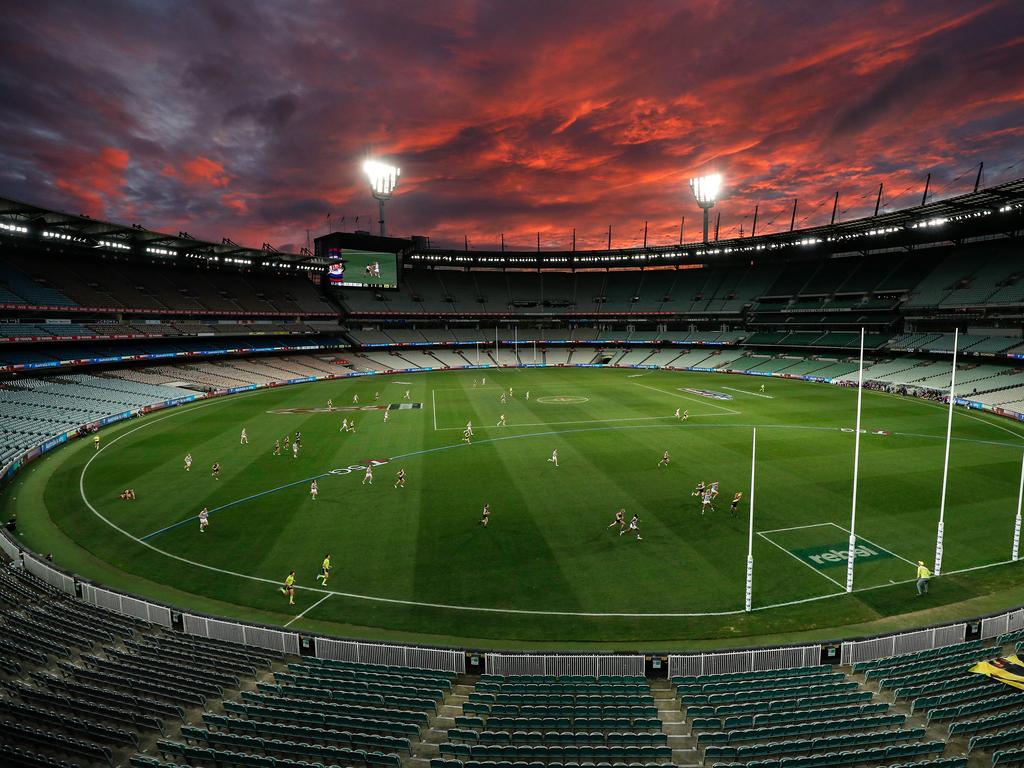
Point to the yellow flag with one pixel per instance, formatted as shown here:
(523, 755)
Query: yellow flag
(1008, 669)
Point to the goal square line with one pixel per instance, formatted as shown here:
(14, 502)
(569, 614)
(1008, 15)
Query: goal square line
(879, 546)
(800, 560)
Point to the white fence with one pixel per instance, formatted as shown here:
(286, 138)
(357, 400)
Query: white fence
(999, 625)
(692, 664)
(8, 547)
(242, 634)
(442, 659)
(907, 642)
(591, 665)
(129, 606)
(51, 576)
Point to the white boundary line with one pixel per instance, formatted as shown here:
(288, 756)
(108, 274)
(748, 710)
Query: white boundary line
(466, 608)
(802, 562)
(433, 405)
(684, 397)
(748, 392)
(314, 605)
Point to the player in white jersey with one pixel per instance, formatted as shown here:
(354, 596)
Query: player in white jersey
(677, 414)
(376, 396)
(483, 382)
(527, 394)
(503, 398)
(501, 421)
(510, 391)
(314, 489)
(368, 477)
(554, 457)
(664, 460)
(762, 387)
(355, 399)
(344, 425)
(204, 520)
(188, 462)
(469, 428)
(686, 415)
(467, 436)
(634, 525)
(295, 450)
(407, 396)
(705, 502)
(244, 439)
(714, 490)
(387, 415)
(400, 478)
(330, 404)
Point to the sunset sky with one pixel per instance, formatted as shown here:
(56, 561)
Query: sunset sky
(251, 119)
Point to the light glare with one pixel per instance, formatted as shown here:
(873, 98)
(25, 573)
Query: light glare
(383, 177)
(706, 189)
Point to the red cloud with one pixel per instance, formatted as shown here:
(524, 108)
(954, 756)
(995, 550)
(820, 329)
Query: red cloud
(199, 171)
(93, 180)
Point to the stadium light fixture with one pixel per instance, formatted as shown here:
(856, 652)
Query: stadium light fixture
(383, 180)
(705, 190)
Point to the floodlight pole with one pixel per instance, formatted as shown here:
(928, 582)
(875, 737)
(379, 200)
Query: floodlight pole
(945, 461)
(706, 210)
(851, 552)
(1016, 524)
(750, 528)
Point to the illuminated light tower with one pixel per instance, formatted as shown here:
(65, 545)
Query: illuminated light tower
(383, 180)
(706, 189)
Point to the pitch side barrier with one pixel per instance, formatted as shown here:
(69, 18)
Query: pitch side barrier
(455, 660)
(531, 664)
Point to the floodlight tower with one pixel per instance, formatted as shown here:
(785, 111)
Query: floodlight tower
(383, 180)
(705, 189)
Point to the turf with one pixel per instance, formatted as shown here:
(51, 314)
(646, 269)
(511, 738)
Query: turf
(413, 563)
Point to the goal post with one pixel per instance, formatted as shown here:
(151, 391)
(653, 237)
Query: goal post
(945, 461)
(750, 527)
(851, 552)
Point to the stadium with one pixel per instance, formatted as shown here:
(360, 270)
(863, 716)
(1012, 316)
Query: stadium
(740, 495)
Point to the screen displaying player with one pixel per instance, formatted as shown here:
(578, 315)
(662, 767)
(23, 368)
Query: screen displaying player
(351, 268)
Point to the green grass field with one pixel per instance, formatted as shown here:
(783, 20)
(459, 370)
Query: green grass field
(414, 564)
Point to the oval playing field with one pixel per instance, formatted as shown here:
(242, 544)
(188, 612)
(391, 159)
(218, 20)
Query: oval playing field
(550, 569)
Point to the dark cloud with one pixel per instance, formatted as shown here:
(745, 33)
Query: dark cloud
(251, 119)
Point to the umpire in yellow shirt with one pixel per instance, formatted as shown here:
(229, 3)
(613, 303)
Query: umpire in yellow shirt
(923, 575)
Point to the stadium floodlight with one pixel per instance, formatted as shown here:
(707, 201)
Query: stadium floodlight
(383, 180)
(705, 190)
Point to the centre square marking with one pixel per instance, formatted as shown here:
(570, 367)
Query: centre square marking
(563, 399)
(834, 555)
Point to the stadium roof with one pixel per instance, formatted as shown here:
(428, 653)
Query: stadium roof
(65, 228)
(998, 209)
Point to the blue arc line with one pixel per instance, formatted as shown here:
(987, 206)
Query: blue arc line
(187, 520)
